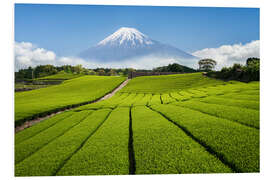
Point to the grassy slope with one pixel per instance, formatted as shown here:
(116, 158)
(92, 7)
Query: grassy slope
(70, 92)
(237, 144)
(33, 144)
(49, 159)
(39, 127)
(154, 137)
(232, 102)
(160, 147)
(245, 116)
(62, 76)
(106, 152)
(168, 83)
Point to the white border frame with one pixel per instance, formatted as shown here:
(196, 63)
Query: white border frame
(7, 88)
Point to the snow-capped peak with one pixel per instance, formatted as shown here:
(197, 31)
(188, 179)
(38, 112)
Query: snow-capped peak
(127, 36)
(129, 43)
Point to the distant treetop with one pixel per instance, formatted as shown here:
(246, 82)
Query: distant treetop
(207, 64)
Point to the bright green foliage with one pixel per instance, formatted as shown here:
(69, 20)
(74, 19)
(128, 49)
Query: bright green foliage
(179, 97)
(115, 100)
(176, 96)
(254, 85)
(61, 76)
(144, 101)
(226, 87)
(138, 98)
(236, 143)
(197, 94)
(108, 103)
(186, 95)
(31, 145)
(49, 159)
(168, 83)
(232, 102)
(106, 151)
(70, 92)
(251, 92)
(212, 91)
(129, 100)
(230, 87)
(160, 147)
(194, 125)
(245, 116)
(155, 99)
(37, 128)
(166, 98)
(91, 106)
(241, 97)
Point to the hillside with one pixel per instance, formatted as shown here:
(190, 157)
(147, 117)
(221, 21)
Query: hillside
(169, 83)
(61, 76)
(171, 124)
(75, 91)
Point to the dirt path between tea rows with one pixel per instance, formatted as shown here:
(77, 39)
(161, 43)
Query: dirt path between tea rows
(114, 91)
(37, 120)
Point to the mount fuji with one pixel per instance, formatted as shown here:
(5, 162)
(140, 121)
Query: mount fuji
(129, 43)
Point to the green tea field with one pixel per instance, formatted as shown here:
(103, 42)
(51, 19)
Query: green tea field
(61, 76)
(31, 104)
(167, 124)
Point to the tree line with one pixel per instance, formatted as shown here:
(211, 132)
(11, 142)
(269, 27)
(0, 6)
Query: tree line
(46, 70)
(248, 72)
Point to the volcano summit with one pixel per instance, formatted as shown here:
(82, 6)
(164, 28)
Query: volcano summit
(129, 43)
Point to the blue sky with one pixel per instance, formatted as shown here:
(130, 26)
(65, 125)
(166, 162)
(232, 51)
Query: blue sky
(69, 29)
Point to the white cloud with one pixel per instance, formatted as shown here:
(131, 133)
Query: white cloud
(227, 55)
(145, 62)
(71, 61)
(26, 54)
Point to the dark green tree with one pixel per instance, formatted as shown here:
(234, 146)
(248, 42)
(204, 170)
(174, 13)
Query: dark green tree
(252, 60)
(78, 69)
(173, 68)
(112, 72)
(207, 64)
(101, 72)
